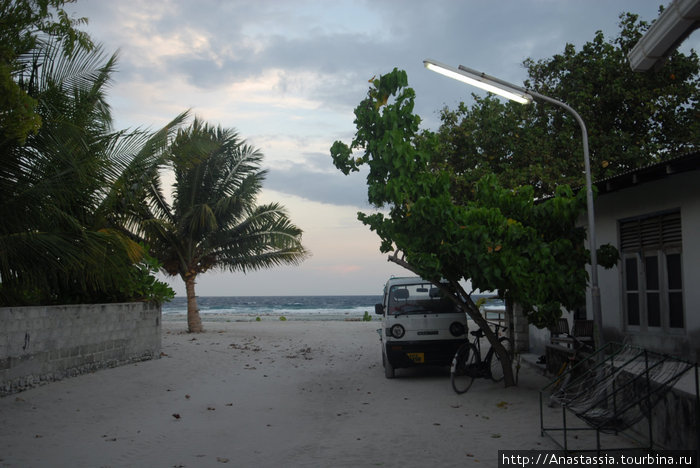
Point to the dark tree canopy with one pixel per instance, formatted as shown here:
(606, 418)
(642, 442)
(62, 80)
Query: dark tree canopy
(633, 119)
(500, 239)
(461, 204)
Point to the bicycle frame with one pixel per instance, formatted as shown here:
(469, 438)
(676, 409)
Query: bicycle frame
(467, 363)
(483, 367)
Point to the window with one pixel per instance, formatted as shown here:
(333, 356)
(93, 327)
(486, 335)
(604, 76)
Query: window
(419, 298)
(652, 273)
(632, 290)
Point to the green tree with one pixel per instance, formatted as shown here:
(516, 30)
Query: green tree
(633, 119)
(213, 220)
(500, 240)
(24, 25)
(57, 244)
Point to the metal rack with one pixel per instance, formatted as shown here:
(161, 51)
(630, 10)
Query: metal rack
(611, 390)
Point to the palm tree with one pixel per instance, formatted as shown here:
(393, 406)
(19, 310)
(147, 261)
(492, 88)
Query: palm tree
(213, 221)
(54, 244)
(65, 191)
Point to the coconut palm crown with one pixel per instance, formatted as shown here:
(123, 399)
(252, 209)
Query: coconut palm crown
(213, 221)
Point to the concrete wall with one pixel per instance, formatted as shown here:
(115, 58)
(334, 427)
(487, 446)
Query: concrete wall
(520, 330)
(674, 420)
(43, 344)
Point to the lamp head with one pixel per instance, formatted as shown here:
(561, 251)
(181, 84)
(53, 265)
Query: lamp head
(481, 80)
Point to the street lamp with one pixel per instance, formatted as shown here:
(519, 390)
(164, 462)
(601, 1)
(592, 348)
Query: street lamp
(525, 96)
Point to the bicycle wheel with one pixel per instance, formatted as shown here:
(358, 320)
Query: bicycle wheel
(496, 367)
(463, 368)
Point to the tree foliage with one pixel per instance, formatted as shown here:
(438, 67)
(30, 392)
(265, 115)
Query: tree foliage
(213, 221)
(499, 240)
(80, 200)
(58, 243)
(25, 25)
(460, 204)
(633, 119)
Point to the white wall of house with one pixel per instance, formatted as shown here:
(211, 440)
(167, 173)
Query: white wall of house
(678, 191)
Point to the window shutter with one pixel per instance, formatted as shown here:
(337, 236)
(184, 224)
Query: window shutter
(652, 232)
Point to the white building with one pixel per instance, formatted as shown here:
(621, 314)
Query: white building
(652, 215)
(651, 298)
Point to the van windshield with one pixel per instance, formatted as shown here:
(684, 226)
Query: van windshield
(418, 298)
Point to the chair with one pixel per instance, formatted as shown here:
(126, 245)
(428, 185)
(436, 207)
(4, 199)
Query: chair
(560, 332)
(583, 330)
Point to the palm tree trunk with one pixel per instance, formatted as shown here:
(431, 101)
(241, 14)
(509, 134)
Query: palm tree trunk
(194, 322)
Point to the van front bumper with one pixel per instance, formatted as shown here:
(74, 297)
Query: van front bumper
(418, 353)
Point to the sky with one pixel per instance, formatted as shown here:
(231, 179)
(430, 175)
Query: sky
(287, 74)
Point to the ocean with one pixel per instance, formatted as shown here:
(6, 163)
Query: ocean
(250, 308)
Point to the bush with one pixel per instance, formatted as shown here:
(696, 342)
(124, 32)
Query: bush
(142, 285)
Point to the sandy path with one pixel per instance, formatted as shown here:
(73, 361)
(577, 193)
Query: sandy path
(267, 394)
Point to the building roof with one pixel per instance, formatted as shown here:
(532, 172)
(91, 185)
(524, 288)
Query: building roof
(652, 172)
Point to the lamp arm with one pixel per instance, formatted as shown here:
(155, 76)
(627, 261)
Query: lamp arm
(592, 244)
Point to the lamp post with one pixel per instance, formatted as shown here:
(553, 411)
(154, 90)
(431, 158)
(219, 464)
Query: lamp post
(526, 96)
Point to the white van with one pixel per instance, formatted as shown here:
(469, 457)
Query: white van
(419, 325)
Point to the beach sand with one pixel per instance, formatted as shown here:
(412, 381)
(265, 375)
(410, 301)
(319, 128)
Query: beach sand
(262, 394)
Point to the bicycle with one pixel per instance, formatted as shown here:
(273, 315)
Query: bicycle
(468, 365)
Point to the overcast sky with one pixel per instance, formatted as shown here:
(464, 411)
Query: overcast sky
(287, 75)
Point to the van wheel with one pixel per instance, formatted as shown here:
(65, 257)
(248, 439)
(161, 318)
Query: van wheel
(388, 368)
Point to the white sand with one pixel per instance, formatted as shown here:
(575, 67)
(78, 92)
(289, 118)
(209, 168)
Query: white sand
(262, 394)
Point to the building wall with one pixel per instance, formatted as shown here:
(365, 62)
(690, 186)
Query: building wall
(678, 191)
(43, 344)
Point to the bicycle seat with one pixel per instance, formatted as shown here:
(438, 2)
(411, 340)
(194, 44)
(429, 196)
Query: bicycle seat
(477, 333)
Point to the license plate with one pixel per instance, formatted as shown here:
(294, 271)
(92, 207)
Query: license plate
(418, 358)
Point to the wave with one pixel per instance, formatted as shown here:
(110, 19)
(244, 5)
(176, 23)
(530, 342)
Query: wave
(278, 305)
(294, 307)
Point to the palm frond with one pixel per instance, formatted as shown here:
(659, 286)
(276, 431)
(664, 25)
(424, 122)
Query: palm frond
(54, 239)
(135, 190)
(85, 69)
(215, 222)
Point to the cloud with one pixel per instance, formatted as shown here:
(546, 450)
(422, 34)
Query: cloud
(313, 181)
(287, 75)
